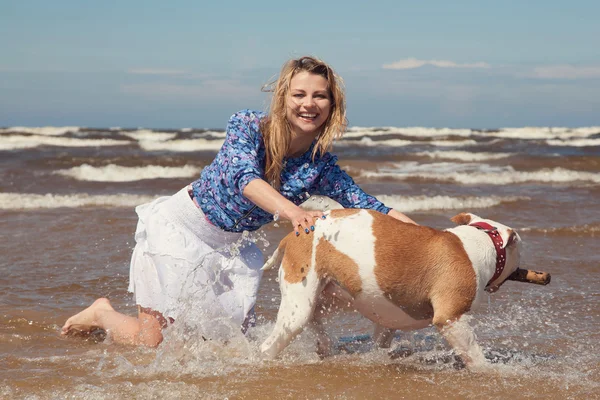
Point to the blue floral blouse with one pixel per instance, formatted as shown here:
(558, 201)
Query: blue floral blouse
(242, 159)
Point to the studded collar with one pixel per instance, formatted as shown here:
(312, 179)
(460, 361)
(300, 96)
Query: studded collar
(493, 233)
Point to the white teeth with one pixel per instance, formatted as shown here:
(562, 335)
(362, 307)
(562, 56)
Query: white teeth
(308, 115)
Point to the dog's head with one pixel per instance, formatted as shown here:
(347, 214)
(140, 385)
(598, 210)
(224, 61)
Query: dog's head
(511, 244)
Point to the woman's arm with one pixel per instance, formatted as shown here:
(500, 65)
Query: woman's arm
(338, 185)
(263, 195)
(401, 217)
(242, 167)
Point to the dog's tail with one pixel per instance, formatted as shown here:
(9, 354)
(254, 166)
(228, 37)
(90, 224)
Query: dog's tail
(275, 259)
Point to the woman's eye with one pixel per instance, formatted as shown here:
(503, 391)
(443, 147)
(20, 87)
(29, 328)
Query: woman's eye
(298, 95)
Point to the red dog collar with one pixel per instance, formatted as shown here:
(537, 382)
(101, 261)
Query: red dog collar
(493, 233)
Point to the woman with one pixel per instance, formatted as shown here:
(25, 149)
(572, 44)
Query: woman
(189, 246)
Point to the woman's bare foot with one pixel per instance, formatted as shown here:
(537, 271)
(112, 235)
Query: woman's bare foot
(87, 319)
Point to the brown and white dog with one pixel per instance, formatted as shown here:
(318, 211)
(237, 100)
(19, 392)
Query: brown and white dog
(399, 275)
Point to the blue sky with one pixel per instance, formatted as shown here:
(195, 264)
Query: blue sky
(177, 64)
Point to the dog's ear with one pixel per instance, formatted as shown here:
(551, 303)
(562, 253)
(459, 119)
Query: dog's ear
(512, 237)
(461, 219)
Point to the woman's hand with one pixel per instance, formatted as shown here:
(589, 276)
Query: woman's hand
(263, 195)
(302, 220)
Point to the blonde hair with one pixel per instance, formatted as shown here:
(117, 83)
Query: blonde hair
(275, 127)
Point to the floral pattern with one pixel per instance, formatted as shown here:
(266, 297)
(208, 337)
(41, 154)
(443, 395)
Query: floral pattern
(242, 159)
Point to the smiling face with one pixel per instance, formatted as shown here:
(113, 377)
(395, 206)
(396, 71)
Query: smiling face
(308, 104)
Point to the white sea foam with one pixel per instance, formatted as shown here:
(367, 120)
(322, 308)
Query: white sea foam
(545, 132)
(182, 145)
(43, 131)
(479, 173)
(26, 201)
(413, 167)
(150, 140)
(424, 203)
(18, 201)
(418, 203)
(525, 133)
(463, 155)
(574, 142)
(217, 134)
(116, 173)
(369, 142)
(358, 131)
(15, 142)
(148, 135)
(450, 143)
(586, 130)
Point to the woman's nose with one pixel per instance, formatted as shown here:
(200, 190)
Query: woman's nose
(309, 101)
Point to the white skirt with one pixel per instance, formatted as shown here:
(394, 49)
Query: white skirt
(185, 267)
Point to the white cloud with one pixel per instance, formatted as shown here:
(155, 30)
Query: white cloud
(411, 63)
(155, 71)
(566, 72)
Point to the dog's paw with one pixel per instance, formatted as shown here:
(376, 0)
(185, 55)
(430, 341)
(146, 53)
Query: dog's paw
(400, 352)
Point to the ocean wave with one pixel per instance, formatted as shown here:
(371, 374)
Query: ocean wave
(450, 143)
(358, 131)
(576, 230)
(217, 134)
(149, 135)
(424, 203)
(478, 174)
(117, 173)
(147, 140)
(419, 203)
(15, 142)
(158, 136)
(574, 142)
(369, 142)
(22, 201)
(524, 133)
(43, 131)
(415, 168)
(185, 145)
(463, 155)
(535, 133)
(155, 140)
(27, 201)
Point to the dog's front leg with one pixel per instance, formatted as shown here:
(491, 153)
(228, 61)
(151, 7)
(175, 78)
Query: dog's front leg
(461, 337)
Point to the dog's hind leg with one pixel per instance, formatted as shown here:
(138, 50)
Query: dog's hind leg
(324, 343)
(331, 300)
(298, 302)
(382, 337)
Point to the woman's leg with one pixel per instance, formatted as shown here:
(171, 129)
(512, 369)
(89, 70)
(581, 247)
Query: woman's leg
(145, 330)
